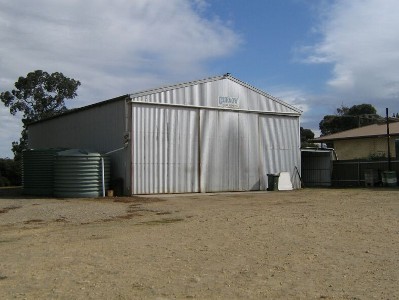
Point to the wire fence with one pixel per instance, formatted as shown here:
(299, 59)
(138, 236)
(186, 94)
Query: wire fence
(348, 173)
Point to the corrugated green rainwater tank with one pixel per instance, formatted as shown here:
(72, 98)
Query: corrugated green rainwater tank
(79, 173)
(38, 171)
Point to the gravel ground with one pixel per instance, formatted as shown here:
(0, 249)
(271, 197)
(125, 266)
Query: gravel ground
(304, 244)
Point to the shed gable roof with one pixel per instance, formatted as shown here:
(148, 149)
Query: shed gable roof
(211, 79)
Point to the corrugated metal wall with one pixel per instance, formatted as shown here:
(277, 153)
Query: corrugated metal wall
(100, 129)
(316, 168)
(280, 147)
(207, 148)
(165, 150)
(177, 150)
(229, 151)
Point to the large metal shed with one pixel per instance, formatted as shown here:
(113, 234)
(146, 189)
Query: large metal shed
(211, 135)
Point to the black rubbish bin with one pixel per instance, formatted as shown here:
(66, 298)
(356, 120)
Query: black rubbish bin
(272, 180)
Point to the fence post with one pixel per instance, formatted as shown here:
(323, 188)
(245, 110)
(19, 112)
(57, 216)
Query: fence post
(358, 172)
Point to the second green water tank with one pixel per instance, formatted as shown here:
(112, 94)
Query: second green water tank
(79, 173)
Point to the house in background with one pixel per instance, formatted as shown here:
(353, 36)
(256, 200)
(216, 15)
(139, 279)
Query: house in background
(364, 142)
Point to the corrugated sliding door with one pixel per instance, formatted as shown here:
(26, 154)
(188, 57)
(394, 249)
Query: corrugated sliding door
(219, 151)
(229, 151)
(279, 146)
(165, 150)
(248, 152)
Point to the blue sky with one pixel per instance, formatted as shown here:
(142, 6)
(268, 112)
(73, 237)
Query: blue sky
(270, 31)
(316, 55)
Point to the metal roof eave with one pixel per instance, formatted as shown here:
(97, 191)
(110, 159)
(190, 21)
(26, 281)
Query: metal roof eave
(78, 109)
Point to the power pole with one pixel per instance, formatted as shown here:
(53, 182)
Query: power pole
(389, 148)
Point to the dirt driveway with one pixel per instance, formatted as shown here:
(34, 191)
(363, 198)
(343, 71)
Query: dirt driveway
(305, 244)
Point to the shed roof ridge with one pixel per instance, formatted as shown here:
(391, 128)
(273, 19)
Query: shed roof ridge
(173, 86)
(210, 79)
(251, 87)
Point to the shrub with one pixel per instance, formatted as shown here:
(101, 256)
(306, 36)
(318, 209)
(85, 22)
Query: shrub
(11, 171)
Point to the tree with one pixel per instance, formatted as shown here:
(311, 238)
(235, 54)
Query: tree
(10, 172)
(306, 136)
(17, 148)
(348, 118)
(37, 96)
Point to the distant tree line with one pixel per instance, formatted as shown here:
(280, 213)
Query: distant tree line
(348, 118)
(345, 118)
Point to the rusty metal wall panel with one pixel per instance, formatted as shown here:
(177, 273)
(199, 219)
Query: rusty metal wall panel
(164, 150)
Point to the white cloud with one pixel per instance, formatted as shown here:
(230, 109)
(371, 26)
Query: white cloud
(360, 39)
(113, 48)
(293, 96)
(309, 104)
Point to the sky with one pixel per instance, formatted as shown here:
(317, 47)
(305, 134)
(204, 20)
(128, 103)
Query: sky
(314, 54)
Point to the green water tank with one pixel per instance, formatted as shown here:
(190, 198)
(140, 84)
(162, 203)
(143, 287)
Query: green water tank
(38, 171)
(79, 173)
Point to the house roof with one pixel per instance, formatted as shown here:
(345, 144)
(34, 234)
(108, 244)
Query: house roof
(375, 130)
